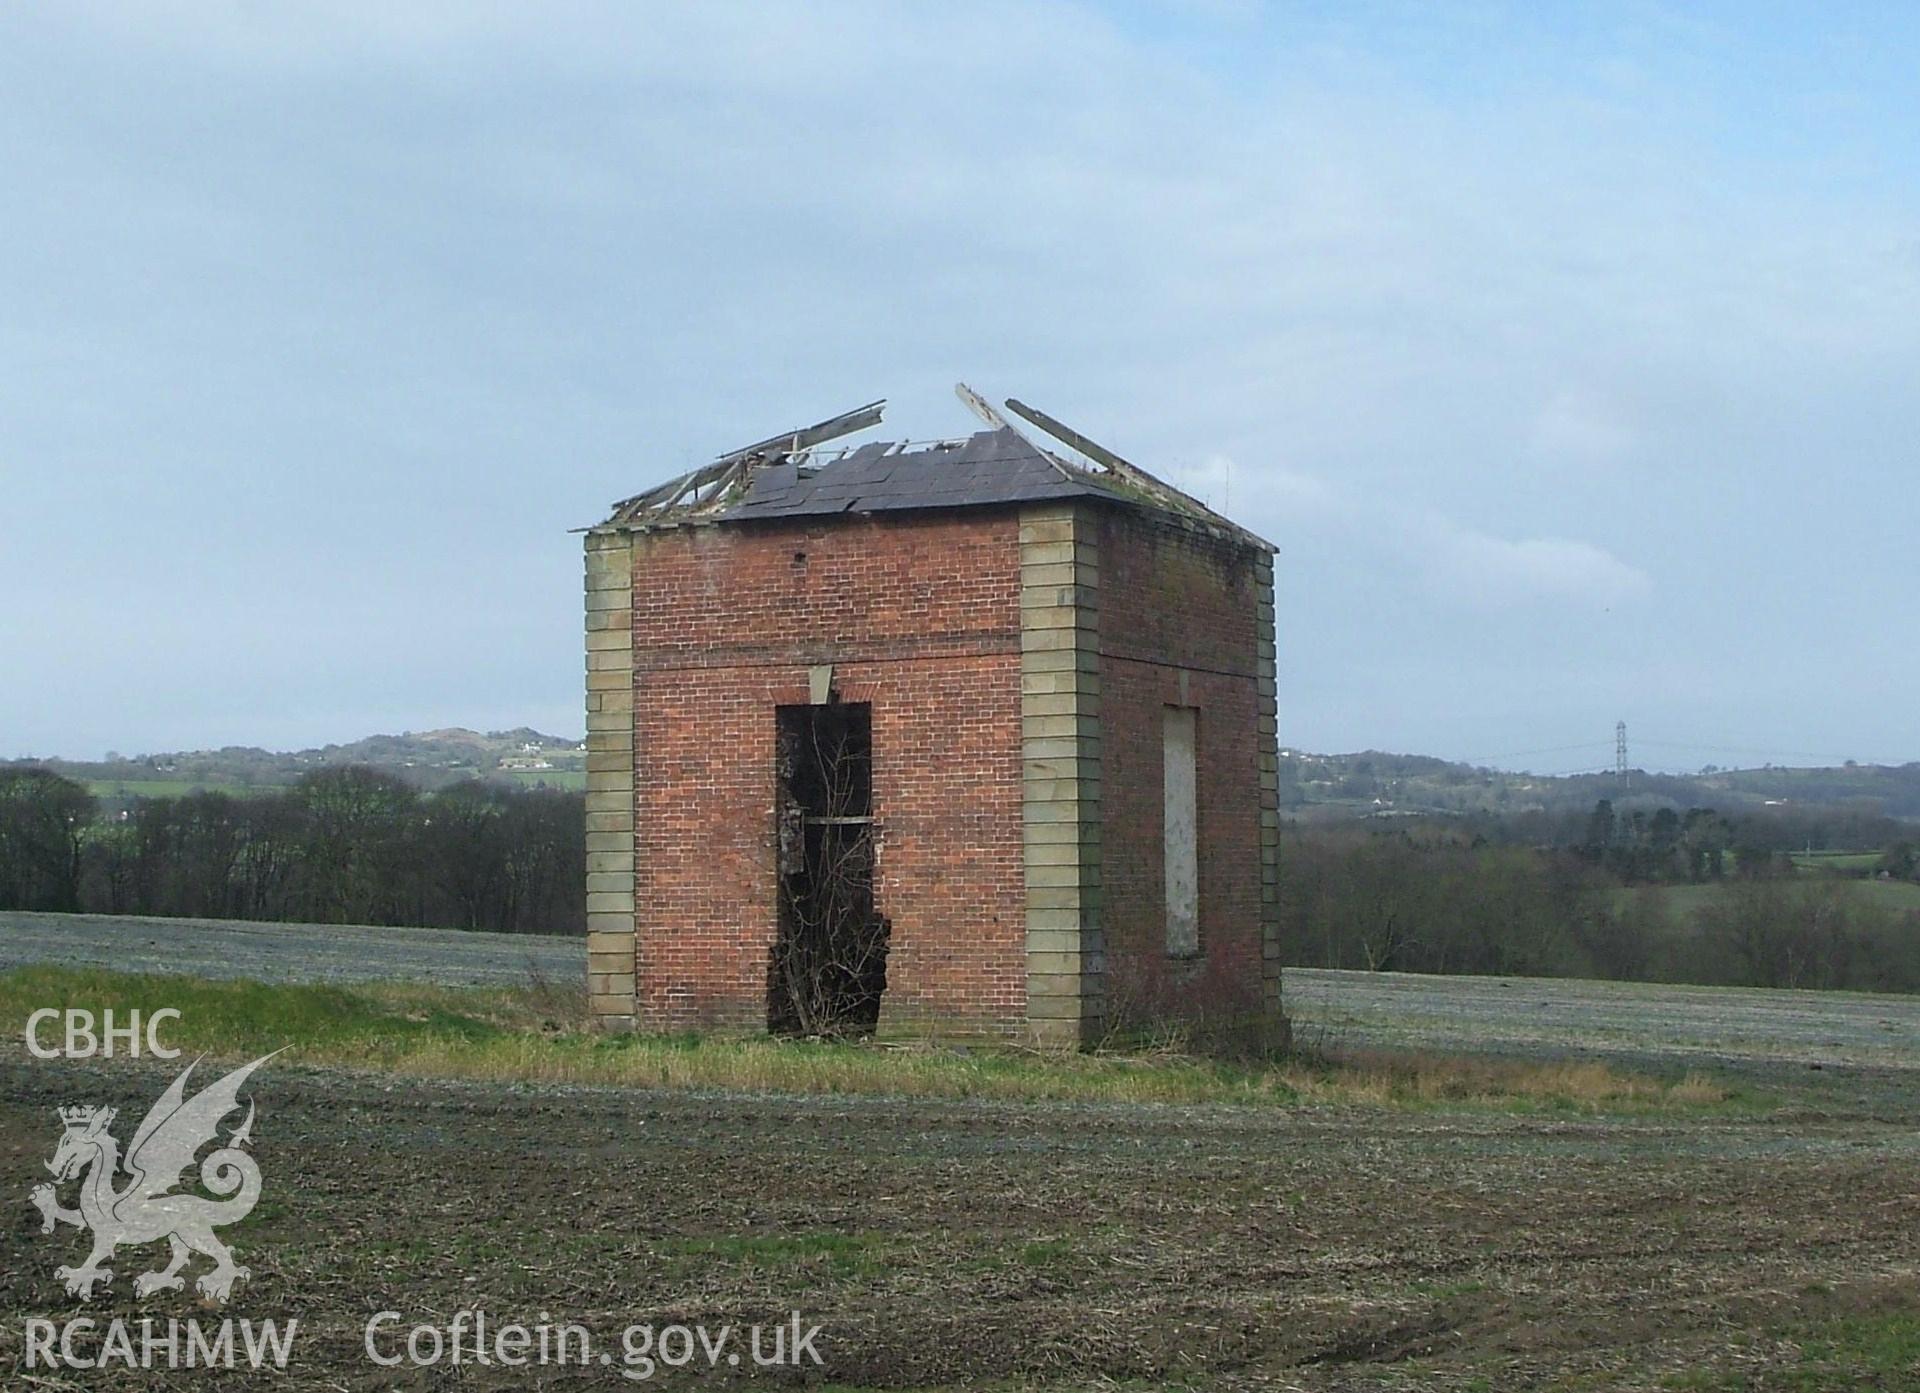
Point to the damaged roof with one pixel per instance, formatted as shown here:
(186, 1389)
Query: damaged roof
(791, 476)
(994, 466)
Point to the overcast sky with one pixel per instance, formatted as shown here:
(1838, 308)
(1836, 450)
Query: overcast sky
(1570, 355)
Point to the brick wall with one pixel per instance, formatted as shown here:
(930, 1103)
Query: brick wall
(918, 615)
(1181, 619)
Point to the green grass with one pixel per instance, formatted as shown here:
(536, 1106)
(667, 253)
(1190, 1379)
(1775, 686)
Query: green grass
(573, 779)
(570, 779)
(1677, 899)
(234, 1017)
(173, 788)
(1836, 860)
(1874, 1348)
(1897, 895)
(1688, 900)
(1878, 1350)
(538, 1034)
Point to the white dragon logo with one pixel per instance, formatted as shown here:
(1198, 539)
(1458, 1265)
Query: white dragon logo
(146, 1210)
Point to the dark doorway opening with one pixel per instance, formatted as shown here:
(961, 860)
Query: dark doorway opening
(828, 969)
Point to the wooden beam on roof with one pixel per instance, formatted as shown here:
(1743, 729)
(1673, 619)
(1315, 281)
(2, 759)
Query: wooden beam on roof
(1151, 484)
(792, 441)
(1092, 449)
(984, 409)
(980, 406)
(716, 478)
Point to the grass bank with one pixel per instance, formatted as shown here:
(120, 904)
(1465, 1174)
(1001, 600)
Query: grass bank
(538, 1034)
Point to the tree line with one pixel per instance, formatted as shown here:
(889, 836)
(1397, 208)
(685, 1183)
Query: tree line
(1674, 898)
(343, 845)
(1649, 895)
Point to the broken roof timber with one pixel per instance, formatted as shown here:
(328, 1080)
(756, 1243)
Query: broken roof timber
(984, 409)
(980, 407)
(711, 484)
(782, 476)
(1165, 494)
(794, 441)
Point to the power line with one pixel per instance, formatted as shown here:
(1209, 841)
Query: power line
(1740, 750)
(1622, 763)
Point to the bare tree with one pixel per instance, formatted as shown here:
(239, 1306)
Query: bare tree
(828, 966)
(43, 822)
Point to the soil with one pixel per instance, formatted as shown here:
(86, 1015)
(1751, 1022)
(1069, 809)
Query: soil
(966, 1243)
(286, 952)
(962, 1244)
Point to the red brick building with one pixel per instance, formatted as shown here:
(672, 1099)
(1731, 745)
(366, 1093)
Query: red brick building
(970, 738)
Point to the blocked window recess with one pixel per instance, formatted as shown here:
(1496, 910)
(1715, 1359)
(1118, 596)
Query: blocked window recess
(828, 969)
(1180, 734)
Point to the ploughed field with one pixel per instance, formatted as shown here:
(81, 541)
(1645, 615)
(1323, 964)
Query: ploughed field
(1769, 1241)
(1767, 1033)
(283, 952)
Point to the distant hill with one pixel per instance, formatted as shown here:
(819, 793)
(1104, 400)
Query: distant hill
(1376, 783)
(1312, 786)
(429, 759)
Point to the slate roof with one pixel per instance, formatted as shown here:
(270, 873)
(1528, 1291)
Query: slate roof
(991, 467)
(790, 476)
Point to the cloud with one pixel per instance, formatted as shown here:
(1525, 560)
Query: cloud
(1579, 428)
(1450, 561)
(1472, 316)
(1491, 571)
(1294, 492)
